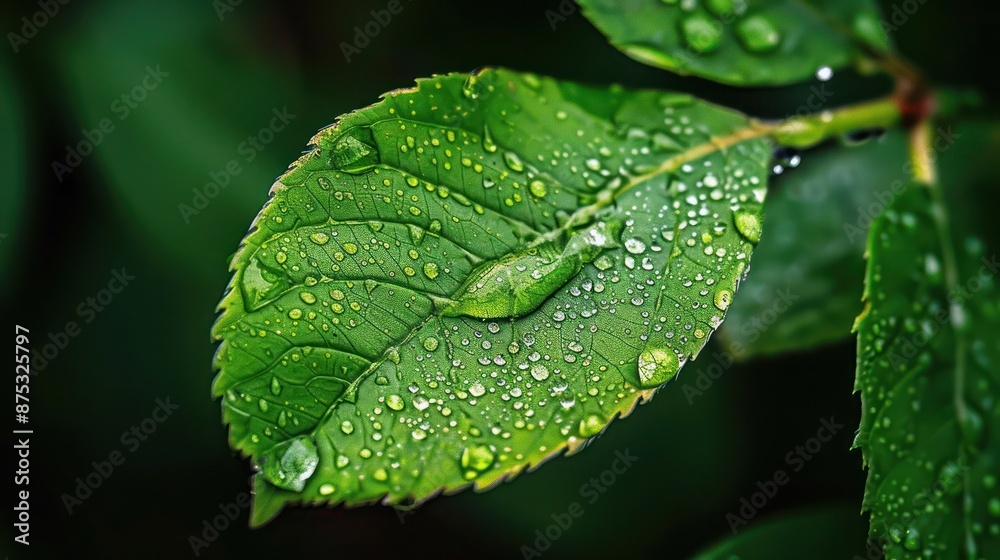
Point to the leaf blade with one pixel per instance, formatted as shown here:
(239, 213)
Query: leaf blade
(368, 252)
(771, 42)
(926, 381)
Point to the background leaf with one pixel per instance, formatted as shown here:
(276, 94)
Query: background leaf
(927, 356)
(761, 42)
(364, 334)
(833, 533)
(805, 289)
(151, 160)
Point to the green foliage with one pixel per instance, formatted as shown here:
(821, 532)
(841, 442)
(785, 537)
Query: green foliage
(825, 533)
(928, 348)
(472, 276)
(480, 273)
(198, 80)
(740, 42)
(805, 288)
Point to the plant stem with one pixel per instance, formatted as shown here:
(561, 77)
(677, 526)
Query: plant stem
(802, 132)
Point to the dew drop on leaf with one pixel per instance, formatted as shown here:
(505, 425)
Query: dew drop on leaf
(289, 464)
(656, 366)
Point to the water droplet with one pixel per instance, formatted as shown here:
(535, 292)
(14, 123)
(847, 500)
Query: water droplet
(346, 427)
(326, 489)
(721, 7)
(748, 225)
(722, 299)
(758, 34)
(281, 257)
(275, 386)
(295, 313)
(477, 457)
(354, 151)
(702, 33)
(513, 161)
(319, 238)
(430, 344)
(307, 297)
(431, 270)
(477, 389)
(912, 540)
(394, 402)
(470, 89)
(657, 366)
(289, 464)
(824, 74)
(591, 426)
(635, 246)
(538, 188)
(540, 372)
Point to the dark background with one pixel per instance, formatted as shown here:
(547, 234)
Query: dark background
(119, 208)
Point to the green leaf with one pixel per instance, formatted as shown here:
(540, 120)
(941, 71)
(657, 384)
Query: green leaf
(475, 275)
(12, 161)
(928, 349)
(740, 42)
(835, 533)
(806, 285)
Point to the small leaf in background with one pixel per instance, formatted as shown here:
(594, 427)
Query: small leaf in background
(475, 275)
(190, 126)
(760, 42)
(928, 349)
(805, 289)
(824, 534)
(13, 195)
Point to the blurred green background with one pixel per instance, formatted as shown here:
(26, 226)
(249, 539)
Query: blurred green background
(216, 81)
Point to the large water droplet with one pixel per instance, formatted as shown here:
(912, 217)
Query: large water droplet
(395, 402)
(591, 426)
(470, 89)
(513, 161)
(702, 33)
(289, 464)
(355, 151)
(477, 457)
(722, 299)
(748, 225)
(758, 34)
(657, 366)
